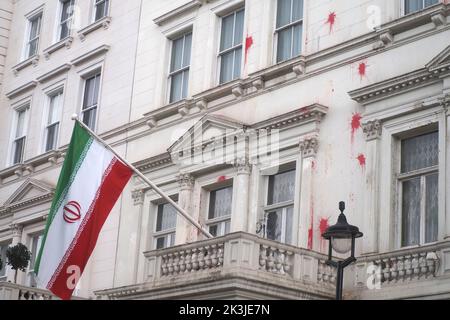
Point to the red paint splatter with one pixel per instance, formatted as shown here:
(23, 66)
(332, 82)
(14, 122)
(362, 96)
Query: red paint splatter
(248, 44)
(362, 69)
(355, 124)
(362, 160)
(221, 179)
(331, 20)
(323, 225)
(305, 109)
(310, 238)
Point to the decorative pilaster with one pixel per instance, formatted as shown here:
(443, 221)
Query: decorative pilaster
(138, 197)
(372, 131)
(184, 228)
(16, 230)
(308, 148)
(445, 103)
(241, 187)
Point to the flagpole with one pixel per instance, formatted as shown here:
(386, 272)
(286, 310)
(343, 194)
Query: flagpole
(144, 178)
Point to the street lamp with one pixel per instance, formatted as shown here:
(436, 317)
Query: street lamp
(341, 238)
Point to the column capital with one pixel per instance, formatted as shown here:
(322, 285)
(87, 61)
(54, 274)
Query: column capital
(185, 180)
(309, 147)
(445, 103)
(372, 130)
(138, 196)
(243, 166)
(16, 229)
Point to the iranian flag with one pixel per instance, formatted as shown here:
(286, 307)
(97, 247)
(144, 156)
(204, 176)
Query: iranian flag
(90, 183)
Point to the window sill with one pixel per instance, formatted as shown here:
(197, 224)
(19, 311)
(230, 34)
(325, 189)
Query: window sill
(66, 42)
(103, 22)
(33, 60)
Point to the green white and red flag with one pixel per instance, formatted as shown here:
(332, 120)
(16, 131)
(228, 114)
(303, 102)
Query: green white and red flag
(91, 180)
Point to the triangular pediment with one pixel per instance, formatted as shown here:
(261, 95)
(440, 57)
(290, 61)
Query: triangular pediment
(207, 129)
(440, 61)
(31, 190)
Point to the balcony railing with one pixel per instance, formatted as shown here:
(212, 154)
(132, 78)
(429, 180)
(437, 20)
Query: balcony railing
(12, 291)
(411, 266)
(230, 259)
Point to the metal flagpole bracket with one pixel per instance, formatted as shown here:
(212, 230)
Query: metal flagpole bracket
(74, 117)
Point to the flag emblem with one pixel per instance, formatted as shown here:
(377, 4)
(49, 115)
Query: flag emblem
(72, 212)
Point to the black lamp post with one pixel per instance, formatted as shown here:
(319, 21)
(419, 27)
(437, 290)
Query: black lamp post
(341, 238)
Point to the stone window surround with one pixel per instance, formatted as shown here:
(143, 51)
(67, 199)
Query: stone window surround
(153, 211)
(24, 104)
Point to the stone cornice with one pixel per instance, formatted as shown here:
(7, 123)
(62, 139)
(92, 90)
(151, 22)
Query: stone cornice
(66, 42)
(53, 73)
(191, 5)
(91, 54)
(20, 90)
(154, 162)
(33, 60)
(103, 22)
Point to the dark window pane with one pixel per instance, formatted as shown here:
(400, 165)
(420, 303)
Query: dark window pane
(226, 67)
(213, 230)
(420, 152)
(177, 54)
(52, 134)
(89, 118)
(274, 221)
(431, 205)
(220, 203)
(226, 38)
(160, 243)
(19, 145)
(101, 9)
(297, 12)
(239, 28)
(176, 87)
(237, 63)
(411, 212)
(284, 47)
(187, 50)
(281, 187)
(283, 12)
(185, 84)
(297, 45)
(166, 218)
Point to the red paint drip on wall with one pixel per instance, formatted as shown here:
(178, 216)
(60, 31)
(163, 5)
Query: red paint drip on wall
(362, 160)
(323, 225)
(331, 20)
(310, 238)
(362, 69)
(248, 44)
(221, 179)
(355, 124)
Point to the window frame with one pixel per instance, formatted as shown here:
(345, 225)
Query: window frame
(284, 205)
(30, 270)
(166, 233)
(39, 14)
(25, 107)
(5, 267)
(69, 20)
(292, 25)
(403, 5)
(49, 96)
(220, 53)
(219, 221)
(422, 173)
(182, 70)
(85, 78)
(95, 4)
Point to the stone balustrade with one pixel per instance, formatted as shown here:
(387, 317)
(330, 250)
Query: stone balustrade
(12, 291)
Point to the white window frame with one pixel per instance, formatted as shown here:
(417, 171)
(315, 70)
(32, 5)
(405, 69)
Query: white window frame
(219, 221)
(403, 7)
(290, 25)
(402, 177)
(30, 271)
(85, 77)
(25, 107)
(69, 21)
(169, 234)
(6, 243)
(183, 69)
(95, 7)
(234, 48)
(25, 53)
(49, 96)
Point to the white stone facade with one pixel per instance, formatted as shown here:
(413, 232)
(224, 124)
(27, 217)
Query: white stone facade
(369, 76)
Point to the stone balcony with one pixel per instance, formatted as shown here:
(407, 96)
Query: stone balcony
(12, 291)
(236, 266)
(414, 273)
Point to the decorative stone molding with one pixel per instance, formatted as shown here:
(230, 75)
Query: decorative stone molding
(258, 83)
(33, 60)
(445, 103)
(154, 162)
(16, 230)
(188, 7)
(243, 166)
(237, 90)
(186, 181)
(300, 68)
(202, 104)
(53, 73)
(138, 196)
(67, 42)
(372, 130)
(439, 19)
(309, 147)
(22, 89)
(103, 22)
(91, 54)
(151, 122)
(183, 111)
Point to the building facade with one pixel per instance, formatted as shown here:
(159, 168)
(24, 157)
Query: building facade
(257, 117)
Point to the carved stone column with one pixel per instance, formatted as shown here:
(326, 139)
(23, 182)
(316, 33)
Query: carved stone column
(138, 197)
(308, 149)
(16, 230)
(184, 228)
(372, 131)
(241, 187)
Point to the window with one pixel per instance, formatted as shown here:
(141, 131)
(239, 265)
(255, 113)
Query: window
(419, 189)
(179, 67)
(36, 241)
(280, 206)
(52, 125)
(90, 100)
(231, 46)
(289, 29)
(417, 5)
(166, 221)
(101, 9)
(66, 18)
(20, 135)
(219, 214)
(3, 248)
(34, 30)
